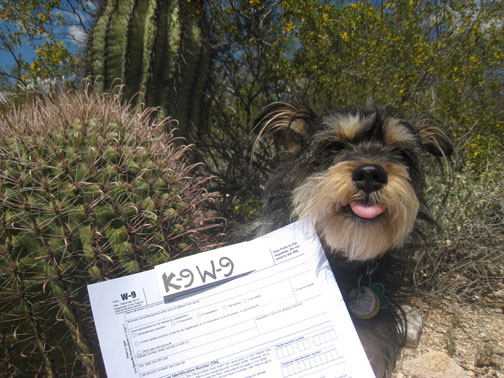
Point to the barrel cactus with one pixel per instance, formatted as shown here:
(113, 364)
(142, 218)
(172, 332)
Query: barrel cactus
(157, 47)
(89, 190)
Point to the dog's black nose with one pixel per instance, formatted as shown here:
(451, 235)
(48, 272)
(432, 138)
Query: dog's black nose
(369, 177)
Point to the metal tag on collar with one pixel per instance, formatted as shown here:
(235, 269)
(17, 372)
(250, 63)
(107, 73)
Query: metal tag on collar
(366, 300)
(363, 302)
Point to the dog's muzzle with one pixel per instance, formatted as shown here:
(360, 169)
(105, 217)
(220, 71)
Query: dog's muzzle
(368, 178)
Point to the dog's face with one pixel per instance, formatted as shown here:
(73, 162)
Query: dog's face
(354, 174)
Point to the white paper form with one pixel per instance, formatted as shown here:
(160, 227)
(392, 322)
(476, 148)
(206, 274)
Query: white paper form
(278, 313)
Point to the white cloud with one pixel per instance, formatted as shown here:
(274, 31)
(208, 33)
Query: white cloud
(77, 34)
(479, 12)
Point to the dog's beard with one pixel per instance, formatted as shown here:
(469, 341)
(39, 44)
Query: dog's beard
(324, 198)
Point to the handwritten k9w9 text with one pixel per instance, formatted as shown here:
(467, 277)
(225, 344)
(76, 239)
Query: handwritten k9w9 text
(196, 276)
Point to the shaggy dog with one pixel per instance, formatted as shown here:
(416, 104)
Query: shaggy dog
(356, 174)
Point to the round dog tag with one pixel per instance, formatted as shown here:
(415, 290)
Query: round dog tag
(363, 302)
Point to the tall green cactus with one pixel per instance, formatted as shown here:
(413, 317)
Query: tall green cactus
(89, 190)
(159, 48)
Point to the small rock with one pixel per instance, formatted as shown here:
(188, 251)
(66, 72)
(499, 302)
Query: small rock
(414, 326)
(499, 293)
(433, 365)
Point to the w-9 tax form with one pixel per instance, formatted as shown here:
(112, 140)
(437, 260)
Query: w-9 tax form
(265, 308)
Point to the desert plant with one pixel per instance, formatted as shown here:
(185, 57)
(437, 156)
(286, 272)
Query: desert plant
(89, 190)
(486, 354)
(156, 47)
(465, 258)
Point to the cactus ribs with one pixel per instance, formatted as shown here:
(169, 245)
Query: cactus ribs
(356, 174)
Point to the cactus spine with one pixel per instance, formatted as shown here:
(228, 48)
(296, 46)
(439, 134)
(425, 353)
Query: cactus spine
(89, 190)
(158, 48)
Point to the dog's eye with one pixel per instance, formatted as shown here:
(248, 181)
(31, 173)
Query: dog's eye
(405, 156)
(335, 146)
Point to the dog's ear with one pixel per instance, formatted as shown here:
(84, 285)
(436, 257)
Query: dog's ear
(287, 123)
(434, 140)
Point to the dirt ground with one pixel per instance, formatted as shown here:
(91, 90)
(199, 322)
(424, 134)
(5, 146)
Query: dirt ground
(472, 334)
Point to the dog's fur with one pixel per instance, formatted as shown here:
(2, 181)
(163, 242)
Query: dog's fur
(343, 163)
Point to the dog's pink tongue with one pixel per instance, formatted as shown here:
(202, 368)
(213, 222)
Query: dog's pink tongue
(366, 211)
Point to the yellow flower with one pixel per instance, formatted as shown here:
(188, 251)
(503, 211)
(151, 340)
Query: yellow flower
(344, 37)
(289, 27)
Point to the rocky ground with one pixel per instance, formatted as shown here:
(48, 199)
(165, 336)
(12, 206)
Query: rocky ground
(458, 340)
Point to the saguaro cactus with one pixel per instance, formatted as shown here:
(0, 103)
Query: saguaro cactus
(159, 48)
(89, 190)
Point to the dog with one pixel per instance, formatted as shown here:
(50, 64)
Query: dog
(357, 175)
